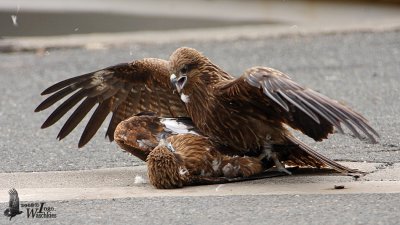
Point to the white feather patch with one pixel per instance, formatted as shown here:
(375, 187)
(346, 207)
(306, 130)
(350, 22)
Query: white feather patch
(218, 187)
(177, 127)
(185, 98)
(183, 171)
(143, 143)
(139, 180)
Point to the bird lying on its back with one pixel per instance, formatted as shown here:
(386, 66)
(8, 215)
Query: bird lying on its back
(178, 155)
(248, 115)
(187, 159)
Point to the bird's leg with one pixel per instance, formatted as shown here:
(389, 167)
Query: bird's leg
(269, 154)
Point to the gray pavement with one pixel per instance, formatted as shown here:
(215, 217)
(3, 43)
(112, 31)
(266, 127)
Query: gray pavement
(99, 23)
(361, 69)
(250, 209)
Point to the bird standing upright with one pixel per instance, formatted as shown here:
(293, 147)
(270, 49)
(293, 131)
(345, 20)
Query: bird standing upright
(249, 113)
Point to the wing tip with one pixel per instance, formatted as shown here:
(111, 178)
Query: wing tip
(60, 136)
(42, 106)
(82, 142)
(109, 136)
(46, 91)
(373, 140)
(46, 124)
(38, 109)
(53, 88)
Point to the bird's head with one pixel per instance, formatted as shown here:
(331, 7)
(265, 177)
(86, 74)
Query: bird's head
(165, 167)
(185, 68)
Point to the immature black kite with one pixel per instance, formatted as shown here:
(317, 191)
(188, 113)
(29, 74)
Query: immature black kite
(178, 155)
(246, 115)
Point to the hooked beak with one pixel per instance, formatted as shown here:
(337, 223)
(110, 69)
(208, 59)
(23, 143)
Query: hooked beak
(178, 83)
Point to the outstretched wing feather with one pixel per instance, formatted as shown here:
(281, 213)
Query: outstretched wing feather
(123, 90)
(76, 117)
(98, 117)
(304, 109)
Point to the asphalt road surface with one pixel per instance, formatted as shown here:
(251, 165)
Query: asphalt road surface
(360, 69)
(276, 209)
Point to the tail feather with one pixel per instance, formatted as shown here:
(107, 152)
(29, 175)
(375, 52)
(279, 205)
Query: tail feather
(303, 154)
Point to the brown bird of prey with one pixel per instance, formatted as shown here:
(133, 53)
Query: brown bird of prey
(178, 155)
(247, 115)
(190, 159)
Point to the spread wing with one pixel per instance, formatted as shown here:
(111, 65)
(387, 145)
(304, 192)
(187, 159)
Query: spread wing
(14, 199)
(279, 97)
(123, 90)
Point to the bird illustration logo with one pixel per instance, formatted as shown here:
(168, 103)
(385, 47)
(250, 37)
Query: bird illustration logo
(13, 207)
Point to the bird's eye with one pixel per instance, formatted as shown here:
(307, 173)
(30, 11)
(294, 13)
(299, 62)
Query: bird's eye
(184, 69)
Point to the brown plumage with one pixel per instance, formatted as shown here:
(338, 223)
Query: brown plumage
(261, 101)
(177, 155)
(188, 158)
(249, 113)
(245, 116)
(139, 135)
(123, 90)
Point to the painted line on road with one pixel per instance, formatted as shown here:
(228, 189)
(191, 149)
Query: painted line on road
(245, 188)
(120, 183)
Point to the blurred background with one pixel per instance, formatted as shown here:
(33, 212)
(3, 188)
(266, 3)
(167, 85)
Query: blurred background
(21, 18)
